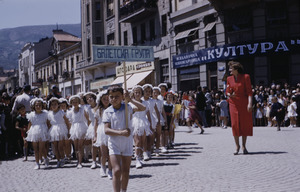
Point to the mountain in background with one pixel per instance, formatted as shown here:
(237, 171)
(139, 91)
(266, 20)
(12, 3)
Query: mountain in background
(12, 40)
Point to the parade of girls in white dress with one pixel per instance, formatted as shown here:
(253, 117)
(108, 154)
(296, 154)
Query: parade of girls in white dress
(78, 123)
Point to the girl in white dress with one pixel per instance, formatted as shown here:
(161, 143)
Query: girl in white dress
(101, 139)
(38, 131)
(292, 113)
(90, 134)
(160, 107)
(64, 106)
(78, 118)
(141, 125)
(155, 120)
(59, 129)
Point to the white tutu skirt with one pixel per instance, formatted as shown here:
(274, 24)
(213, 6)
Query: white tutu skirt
(90, 132)
(38, 133)
(78, 130)
(102, 138)
(140, 126)
(58, 132)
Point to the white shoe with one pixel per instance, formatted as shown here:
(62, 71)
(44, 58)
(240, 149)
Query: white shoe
(37, 167)
(46, 162)
(109, 174)
(164, 150)
(146, 156)
(25, 159)
(79, 166)
(103, 173)
(138, 164)
(94, 165)
(156, 152)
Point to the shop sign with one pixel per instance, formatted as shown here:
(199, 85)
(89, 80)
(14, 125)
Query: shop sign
(95, 85)
(230, 51)
(122, 53)
(134, 67)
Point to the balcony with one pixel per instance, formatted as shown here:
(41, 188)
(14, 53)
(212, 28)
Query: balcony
(220, 5)
(132, 11)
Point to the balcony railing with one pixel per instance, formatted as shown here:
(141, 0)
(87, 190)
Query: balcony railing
(137, 9)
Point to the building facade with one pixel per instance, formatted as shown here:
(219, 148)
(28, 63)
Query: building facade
(59, 66)
(193, 40)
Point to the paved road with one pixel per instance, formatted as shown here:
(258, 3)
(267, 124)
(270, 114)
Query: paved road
(198, 163)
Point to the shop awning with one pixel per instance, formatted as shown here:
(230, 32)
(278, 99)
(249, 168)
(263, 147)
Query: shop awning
(186, 33)
(209, 27)
(137, 78)
(120, 80)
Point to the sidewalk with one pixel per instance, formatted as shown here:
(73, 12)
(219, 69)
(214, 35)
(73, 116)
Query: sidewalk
(198, 163)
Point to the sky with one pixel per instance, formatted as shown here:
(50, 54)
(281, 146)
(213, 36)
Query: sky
(16, 13)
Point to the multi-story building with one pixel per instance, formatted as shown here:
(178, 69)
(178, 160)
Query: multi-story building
(58, 67)
(262, 35)
(193, 40)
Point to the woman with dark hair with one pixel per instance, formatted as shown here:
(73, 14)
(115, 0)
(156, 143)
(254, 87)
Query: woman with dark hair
(239, 93)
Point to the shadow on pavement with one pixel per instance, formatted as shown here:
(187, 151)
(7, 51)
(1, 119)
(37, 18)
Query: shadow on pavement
(179, 144)
(160, 164)
(266, 152)
(139, 176)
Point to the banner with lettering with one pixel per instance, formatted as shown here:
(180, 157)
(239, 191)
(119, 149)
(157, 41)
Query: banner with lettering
(102, 53)
(231, 51)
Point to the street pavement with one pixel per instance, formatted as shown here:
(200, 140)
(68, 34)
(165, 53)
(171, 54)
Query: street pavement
(198, 163)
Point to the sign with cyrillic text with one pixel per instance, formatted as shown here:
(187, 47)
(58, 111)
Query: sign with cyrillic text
(122, 53)
(227, 52)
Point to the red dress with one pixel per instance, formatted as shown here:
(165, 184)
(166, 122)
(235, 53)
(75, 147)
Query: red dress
(241, 119)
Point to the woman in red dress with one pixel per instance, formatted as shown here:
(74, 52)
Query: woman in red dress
(239, 94)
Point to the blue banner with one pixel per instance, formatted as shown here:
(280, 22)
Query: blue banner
(122, 53)
(227, 52)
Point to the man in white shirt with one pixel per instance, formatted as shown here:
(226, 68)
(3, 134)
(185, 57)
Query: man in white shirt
(24, 99)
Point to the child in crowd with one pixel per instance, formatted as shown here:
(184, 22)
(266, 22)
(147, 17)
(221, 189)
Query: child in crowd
(259, 115)
(155, 118)
(193, 114)
(59, 129)
(22, 125)
(292, 112)
(167, 128)
(161, 119)
(224, 114)
(141, 127)
(78, 118)
(38, 131)
(163, 90)
(120, 141)
(100, 138)
(277, 112)
(64, 106)
(90, 134)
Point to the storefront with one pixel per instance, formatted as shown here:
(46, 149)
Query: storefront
(137, 73)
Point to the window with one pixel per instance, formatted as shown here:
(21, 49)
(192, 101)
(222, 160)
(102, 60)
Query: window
(52, 72)
(111, 39)
(77, 58)
(72, 64)
(239, 19)
(164, 70)
(98, 40)
(276, 12)
(152, 29)
(134, 35)
(164, 25)
(125, 38)
(36, 76)
(60, 68)
(88, 48)
(110, 8)
(212, 76)
(143, 33)
(88, 13)
(67, 64)
(97, 11)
